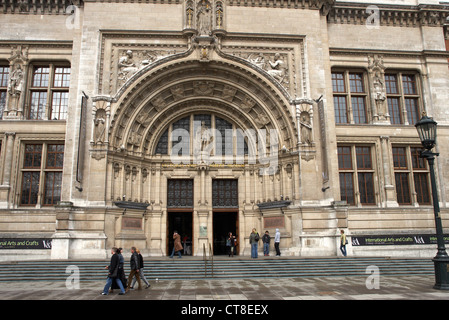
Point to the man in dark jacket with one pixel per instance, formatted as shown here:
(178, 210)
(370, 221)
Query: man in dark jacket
(135, 266)
(113, 273)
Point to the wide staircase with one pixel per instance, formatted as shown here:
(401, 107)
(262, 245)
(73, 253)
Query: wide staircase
(220, 268)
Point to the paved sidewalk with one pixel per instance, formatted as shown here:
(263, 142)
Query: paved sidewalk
(323, 288)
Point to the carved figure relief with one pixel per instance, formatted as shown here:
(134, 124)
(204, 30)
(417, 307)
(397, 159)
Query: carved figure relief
(100, 127)
(306, 128)
(131, 61)
(378, 90)
(204, 18)
(16, 81)
(277, 70)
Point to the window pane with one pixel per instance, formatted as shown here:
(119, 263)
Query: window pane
(52, 192)
(184, 124)
(162, 144)
(344, 158)
(4, 76)
(359, 109)
(37, 107)
(55, 156)
(408, 83)
(340, 106)
(225, 129)
(2, 103)
(356, 82)
(30, 188)
(33, 155)
(41, 76)
(391, 84)
(399, 158)
(59, 105)
(347, 188)
(417, 161)
(62, 77)
(394, 110)
(422, 188)
(366, 188)
(402, 188)
(363, 158)
(338, 82)
(412, 110)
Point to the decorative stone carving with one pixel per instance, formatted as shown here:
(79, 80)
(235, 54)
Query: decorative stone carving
(306, 128)
(131, 61)
(18, 63)
(277, 69)
(100, 127)
(378, 91)
(204, 18)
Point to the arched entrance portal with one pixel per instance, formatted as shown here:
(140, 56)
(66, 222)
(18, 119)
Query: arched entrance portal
(200, 145)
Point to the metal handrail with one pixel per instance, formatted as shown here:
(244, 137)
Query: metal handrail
(211, 258)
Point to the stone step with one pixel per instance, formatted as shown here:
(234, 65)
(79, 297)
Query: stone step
(168, 269)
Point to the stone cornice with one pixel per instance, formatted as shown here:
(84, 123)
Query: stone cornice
(53, 7)
(389, 15)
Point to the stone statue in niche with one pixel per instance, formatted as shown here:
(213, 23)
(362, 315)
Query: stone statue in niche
(203, 138)
(100, 127)
(16, 81)
(306, 128)
(204, 18)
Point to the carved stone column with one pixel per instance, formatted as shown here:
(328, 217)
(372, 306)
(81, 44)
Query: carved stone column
(390, 194)
(6, 183)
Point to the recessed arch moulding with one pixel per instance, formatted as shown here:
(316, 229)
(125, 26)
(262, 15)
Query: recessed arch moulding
(140, 114)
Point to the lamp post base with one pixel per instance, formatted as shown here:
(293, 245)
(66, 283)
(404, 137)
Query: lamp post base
(441, 273)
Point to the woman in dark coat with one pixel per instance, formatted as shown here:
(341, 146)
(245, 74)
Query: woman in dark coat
(121, 272)
(113, 273)
(177, 247)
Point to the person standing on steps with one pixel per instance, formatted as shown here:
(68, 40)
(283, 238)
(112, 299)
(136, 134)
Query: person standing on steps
(254, 240)
(277, 240)
(113, 273)
(266, 243)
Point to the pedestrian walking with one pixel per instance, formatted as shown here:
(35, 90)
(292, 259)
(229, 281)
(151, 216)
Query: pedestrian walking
(134, 264)
(113, 273)
(266, 243)
(142, 275)
(177, 247)
(254, 240)
(277, 241)
(343, 243)
(121, 272)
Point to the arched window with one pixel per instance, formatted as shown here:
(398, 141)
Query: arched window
(224, 137)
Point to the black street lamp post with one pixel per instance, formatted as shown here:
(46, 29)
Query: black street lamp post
(427, 133)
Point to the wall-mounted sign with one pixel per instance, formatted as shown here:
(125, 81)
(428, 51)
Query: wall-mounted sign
(273, 222)
(129, 223)
(381, 240)
(25, 243)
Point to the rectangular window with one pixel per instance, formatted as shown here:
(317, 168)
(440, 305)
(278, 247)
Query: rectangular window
(4, 76)
(49, 92)
(357, 171)
(403, 97)
(411, 176)
(349, 97)
(43, 160)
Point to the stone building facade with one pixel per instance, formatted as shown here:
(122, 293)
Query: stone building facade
(123, 121)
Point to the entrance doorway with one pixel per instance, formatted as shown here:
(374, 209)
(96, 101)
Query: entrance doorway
(182, 223)
(223, 223)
